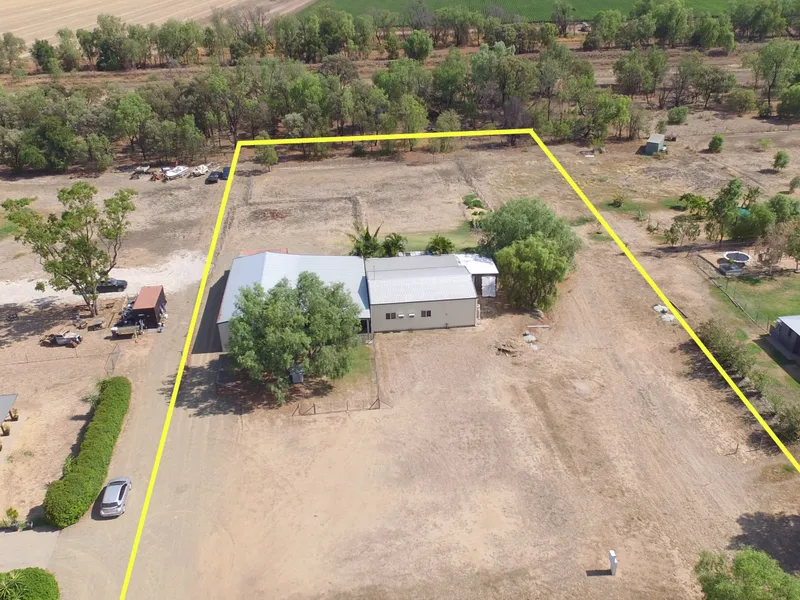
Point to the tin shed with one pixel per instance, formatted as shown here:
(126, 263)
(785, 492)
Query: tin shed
(655, 144)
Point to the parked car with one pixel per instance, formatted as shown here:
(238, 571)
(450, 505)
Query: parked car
(64, 338)
(213, 177)
(225, 173)
(111, 285)
(115, 498)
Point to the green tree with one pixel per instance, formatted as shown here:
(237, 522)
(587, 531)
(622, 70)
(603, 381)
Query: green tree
(11, 50)
(793, 244)
(632, 74)
(723, 210)
(364, 27)
(713, 82)
(794, 184)
(606, 26)
(755, 224)
(130, 117)
(785, 208)
(365, 244)
(521, 218)
(450, 79)
(394, 244)
(68, 51)
(781, 160)
(42, 52)
(695, 204)
(774, 65)
(418, 46)
(414, 116)
(672, 22)
(440, 244)
(447, 121)
(742, 100)
(562, 16)
(312, 325)
(530, 271)
(751, 574)
(265, 155)
(392, 46)
(789, 106)
(80, 247)
(715, 145)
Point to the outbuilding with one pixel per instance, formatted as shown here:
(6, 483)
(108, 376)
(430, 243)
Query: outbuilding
(483, 271)
(149, 306)
(655, 144)
(786, 335)
(420, 292)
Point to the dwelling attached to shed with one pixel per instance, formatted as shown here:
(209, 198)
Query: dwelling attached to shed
(785, 333)
(655, 144)
(268, 268)
(420, 292)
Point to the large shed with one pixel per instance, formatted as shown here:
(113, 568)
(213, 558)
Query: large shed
(420, 292)
(786, 333)
(268, 268)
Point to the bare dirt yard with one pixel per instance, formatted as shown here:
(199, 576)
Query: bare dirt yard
(38, 19)
(489, 474)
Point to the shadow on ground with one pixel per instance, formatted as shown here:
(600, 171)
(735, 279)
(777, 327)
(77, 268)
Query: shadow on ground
(207, 339)
(20, 321)
(776, 534)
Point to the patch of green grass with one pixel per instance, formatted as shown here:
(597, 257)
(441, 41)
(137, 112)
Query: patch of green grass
(671, 203)
(536, 11)
(629, 207)
(7, 229)
(582, 220)
(18, 255)
(600, 236)
(362, 362)
(463, 238)
(742, 335)
(773, 296)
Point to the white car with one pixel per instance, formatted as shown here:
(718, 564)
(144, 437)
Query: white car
(115, 498)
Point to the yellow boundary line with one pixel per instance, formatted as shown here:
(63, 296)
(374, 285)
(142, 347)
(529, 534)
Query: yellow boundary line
(404, 136)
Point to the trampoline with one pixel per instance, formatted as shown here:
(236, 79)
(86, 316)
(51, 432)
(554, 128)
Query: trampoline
(737, 257)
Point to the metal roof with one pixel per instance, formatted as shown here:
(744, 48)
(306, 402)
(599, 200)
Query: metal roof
(417, 279)
(268, 268)
(477, 264)
(6, 402)
(148, 296)
(792, 322)
(656, 138)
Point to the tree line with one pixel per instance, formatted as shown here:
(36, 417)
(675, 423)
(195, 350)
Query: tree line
(236, 34)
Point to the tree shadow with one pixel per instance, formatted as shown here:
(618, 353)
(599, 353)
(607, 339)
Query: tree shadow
(492, 308)
(700, 368)
(36, 318)
(776, 534)
(768, 171)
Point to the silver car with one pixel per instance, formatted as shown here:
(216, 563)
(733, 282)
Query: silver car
(115, 498)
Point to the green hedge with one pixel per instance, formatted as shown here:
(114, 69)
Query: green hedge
(68, 499)
(31, 584)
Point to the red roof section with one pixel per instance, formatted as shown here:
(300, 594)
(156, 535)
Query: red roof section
(148, 296)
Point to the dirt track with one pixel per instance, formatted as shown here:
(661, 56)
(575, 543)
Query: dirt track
(40, 19)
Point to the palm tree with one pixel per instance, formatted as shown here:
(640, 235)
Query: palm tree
(394, 244)
(11, 586)
(439, 244)
(365, 244)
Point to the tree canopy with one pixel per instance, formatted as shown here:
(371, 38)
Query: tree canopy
(750, 575)
(310, 325)
(78, 248)
(530, 271)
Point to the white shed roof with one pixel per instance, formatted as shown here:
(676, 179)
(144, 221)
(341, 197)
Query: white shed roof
(405, 279)
(656, 138)
(792, 322)
(268, 268)
(477, 264)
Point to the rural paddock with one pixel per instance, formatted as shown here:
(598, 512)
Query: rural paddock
(492, 474)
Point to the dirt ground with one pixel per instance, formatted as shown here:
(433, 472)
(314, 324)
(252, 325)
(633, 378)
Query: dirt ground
(490, 476)
(38, 19)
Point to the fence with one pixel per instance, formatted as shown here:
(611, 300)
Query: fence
(728, 286)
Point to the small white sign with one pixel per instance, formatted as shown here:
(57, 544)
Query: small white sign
(612, 559)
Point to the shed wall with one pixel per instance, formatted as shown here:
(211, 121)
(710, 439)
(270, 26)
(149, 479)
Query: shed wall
(224, 330)
(444, 313)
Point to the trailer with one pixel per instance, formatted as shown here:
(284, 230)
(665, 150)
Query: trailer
(123, 329)
(149, 307)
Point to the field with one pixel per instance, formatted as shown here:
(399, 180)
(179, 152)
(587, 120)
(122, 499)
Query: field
(487, 473)
(537, 11)
(40, 19)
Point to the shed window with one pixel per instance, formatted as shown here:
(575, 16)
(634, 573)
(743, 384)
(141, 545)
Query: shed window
(426, 313)
(410, 315)
(391, 316)
(400, 316)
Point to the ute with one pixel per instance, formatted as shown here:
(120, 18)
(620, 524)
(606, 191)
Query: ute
(63, 338)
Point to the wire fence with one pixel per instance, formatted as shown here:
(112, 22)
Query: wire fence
(729, 287)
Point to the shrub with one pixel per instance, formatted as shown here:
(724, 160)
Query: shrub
(789, 420)
(68, 499)
(794, 184)
(677, 115)
(730, 352)
(742, 101)
(781, 160)
(31, 583)
(715, 145)
(472, 201)
(619, 200)
(764, 144)
(764, 110)
(439, 244)
(358, 151)
(661, 127)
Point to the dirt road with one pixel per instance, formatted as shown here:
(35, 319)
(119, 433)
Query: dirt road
(40, 19)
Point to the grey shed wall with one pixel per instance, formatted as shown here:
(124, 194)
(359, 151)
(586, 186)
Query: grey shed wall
(444, 314)
(783, 334)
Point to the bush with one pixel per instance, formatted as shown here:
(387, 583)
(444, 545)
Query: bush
(358, 151)
(789, 421)
(661, 126)
(677, 115)
(439, 244)
(619, 200)
(764, 110)
(729, 352)
(715, 145)
(472, 201)
(742, 101)
(764, 144)
(781, 160)
(31, 583)
(68, 499)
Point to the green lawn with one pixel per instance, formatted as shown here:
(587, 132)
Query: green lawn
(774, 296)
(600, 237)
(463, 238)
(538, 10)
(362, 362)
